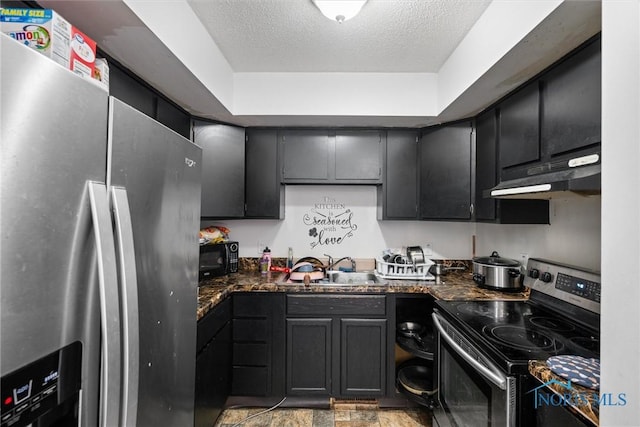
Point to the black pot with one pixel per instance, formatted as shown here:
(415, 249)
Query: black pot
(498, 273)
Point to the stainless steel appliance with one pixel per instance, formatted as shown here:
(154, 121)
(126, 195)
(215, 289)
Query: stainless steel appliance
(100, 211)
(218, 259)
(484, 346)
(495, 272)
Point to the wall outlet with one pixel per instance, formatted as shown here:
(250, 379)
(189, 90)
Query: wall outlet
(261, 247)
(427, 249)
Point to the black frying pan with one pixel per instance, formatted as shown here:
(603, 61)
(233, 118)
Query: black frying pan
(412, 330)
(417, 379)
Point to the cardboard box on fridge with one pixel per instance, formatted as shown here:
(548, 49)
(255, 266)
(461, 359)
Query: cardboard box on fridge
(101, 73)
(50, 34)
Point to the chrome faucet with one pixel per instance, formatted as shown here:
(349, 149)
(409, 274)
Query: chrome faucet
(332, 264)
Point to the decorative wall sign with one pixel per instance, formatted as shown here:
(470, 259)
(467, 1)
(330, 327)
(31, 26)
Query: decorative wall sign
(330, 222)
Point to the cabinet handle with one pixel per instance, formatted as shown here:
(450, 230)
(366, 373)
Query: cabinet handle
(471, 208)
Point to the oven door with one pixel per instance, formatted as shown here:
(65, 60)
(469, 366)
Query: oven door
(472, 391)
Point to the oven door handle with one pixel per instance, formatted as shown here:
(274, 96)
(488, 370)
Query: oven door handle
(492, 375)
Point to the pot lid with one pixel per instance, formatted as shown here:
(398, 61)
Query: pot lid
(497, 260)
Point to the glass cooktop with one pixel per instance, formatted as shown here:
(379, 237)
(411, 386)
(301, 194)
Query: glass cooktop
(514, 332)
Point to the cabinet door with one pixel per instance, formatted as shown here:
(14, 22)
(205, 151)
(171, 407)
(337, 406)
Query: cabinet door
(502, 211)
(264, 195)
(213, 378)
(173, 117)
(520, 127)
(222, 169)
(398, 195)
(358, 155)
(363, 352)
(445, 172)
(305, 155)
(131, 91)
(486, 136)
(309, 349)
(572, 102)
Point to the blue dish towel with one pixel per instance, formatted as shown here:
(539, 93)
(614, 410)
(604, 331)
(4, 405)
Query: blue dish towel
(579, 370)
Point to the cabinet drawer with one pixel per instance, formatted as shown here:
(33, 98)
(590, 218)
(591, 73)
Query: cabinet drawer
(250, 330)
(371, 305)
(251, 354)
(212, 322)
(248, 305)
(249, 381)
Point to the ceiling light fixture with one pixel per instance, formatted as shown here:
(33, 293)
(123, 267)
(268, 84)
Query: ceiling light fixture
(339, 10)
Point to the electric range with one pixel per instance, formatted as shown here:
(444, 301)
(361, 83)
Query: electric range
(484, 347)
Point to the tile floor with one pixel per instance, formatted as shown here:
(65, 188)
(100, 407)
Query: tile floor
(344, 415)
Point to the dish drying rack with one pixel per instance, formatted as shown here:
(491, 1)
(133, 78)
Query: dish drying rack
(406, 271)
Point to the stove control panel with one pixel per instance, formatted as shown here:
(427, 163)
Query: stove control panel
(576, 285)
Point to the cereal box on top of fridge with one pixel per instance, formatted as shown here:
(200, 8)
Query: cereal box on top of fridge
(50, 34)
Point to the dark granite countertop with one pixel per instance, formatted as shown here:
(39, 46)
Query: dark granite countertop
(455, 285)
(582, 403)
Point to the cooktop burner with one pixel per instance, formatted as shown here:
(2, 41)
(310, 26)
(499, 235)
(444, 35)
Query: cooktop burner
(523, 338)
(554, 324)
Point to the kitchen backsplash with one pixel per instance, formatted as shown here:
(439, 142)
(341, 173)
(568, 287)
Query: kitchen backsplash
(341, 221)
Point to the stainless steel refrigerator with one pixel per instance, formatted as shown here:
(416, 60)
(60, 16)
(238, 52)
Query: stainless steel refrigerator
(99, 219)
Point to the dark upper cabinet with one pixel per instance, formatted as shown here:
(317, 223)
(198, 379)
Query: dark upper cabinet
(223, 152)
(398, 194)
(445, 172)
(131, 91)
(553, 118)
(358, 155)
(486, 146)
(520, 127)
(135, 93)
(572, 102)
(502, 211)
(305, 155)
(173, 117)
(264, 195)
(322, 156)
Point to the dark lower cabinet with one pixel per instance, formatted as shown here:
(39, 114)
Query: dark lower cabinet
(336, 346)
(258, 345)
(213, 364)
(213, 378)
(309, 349)
(363, 357)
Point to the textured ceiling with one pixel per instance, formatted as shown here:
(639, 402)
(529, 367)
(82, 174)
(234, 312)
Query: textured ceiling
(293, 36)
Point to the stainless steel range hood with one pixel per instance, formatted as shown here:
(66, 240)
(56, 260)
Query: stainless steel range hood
(575, 180)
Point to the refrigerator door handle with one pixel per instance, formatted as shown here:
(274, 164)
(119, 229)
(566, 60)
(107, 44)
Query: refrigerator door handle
(111, 367)
(129, 303)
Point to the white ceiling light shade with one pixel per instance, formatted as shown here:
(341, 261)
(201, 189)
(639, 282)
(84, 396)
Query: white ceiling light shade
(339, 10)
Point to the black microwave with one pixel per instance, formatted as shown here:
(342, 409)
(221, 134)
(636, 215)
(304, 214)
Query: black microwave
(218, 259)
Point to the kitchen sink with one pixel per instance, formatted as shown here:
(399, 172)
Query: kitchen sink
(352, 278)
